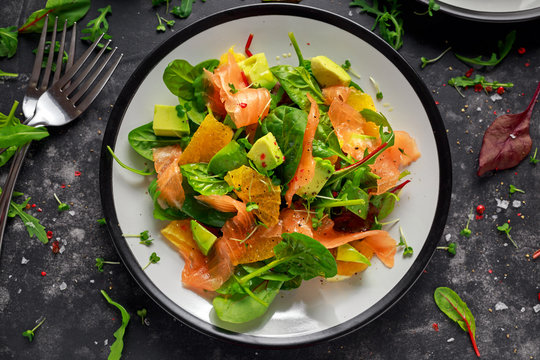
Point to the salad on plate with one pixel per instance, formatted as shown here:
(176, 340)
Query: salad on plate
(269, 176)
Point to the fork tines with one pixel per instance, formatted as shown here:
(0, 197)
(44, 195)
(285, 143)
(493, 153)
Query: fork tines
(87, 75)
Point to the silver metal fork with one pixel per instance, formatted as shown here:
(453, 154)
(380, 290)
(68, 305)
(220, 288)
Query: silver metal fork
(62, 103)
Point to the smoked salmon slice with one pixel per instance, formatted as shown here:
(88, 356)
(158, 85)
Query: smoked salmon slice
(248, 105)
(306, 167)
(169, 177)
(331, 93)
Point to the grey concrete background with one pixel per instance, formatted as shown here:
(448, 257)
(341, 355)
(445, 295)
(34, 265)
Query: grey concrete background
(487, 270)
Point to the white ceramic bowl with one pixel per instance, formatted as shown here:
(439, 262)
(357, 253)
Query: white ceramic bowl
(317, 310)
(491, 10)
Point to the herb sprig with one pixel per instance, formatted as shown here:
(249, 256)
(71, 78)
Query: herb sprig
(153, 259)
(478, 80)
(466, 231)
(30, 333)
(432, 6)
(98, 26)
(100, 262)
(426, 61)
(505, 228)
(61, 205)
(503, 47)
(451, 248)
(407, 250)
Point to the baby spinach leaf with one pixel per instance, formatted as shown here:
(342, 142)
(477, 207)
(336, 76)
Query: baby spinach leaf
(507, 140)
(451, 304)
(202, 182)
(17, 135)
(200, 211)
(98, 26)
(143, 140)
(8, 41)
(118, 344)
(297, 82)
(70, 10)
(241, 308)
(180, 75)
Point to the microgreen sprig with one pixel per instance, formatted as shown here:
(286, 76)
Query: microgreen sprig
(61, 206)
(101, 221)
(533, 159)
(30, 333)
(153, 259)
(466, 231)
(505, 228)
(142, 314)
(160, 26)
(512, 189)
(426, 61)
(451, 248)
(432, 6)
(100, 262)
(144, 236)
(407, 250)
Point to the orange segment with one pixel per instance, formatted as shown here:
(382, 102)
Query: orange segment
(360, 101)
(209, 138)
(250, 186)
(348, 268)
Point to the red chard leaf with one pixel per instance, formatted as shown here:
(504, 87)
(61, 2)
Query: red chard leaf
(507, 140)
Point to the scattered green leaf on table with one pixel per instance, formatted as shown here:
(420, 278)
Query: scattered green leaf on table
(70, 10)
(503, 48)
(118, 345)
(32, 224)
(30, 333)
(451, 304)
(184, 10)
(98, 26)
(8, 41)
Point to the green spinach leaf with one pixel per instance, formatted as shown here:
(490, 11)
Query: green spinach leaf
(180, 75)
(160, 213)
(297, 82)
(17, 135)
(70, 10)
(385, 203)
(8, 41)
(143, 140)
(202, 182)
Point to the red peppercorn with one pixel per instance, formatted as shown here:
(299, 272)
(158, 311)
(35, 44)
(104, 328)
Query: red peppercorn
(43, 273)
(489, 88)
(500, 90)
(263, 164)
(77, 173)
(243, 105)
(49, 234)
(478, 87)
(480, 209)
(335, 194)
(521, 51)
(33, 205)
(435, 326)
(469, 72)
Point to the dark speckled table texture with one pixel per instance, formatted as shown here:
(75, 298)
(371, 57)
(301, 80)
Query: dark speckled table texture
(487, 270)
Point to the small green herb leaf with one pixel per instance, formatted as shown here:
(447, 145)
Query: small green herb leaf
(514, 189)
(142, 314)
(407, 250)
(533, 159)
(101, 221)
(505, 228)
(30, 333)
(8, 41)
(118, 345)
(100, 262)
(153, 259)
(98, 26)
(426, 61)
(466, 231)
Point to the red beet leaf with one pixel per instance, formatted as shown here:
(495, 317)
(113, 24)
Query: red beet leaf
(507, 141)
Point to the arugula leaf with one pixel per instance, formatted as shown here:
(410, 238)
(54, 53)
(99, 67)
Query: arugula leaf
(184, 10)
(297, 82)
(503, 48)
(70, 10)
(98, 26)
(33, 226)
(451, 304)
(8, 41)
(202, 182)
(143, 140)
(426, 61)
(387, 18)
(464, 81)
(20, 134)
(118, 345)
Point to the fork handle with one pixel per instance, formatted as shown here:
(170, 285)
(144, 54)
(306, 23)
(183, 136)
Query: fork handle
(7, 189)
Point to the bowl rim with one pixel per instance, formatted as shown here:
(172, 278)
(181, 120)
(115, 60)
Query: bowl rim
(486, 16)
(135, 80)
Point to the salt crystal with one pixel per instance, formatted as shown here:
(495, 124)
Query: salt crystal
(62, 249)
(350, 13)
(24, 261)
(536, 308)
(106, 342)
(95, 342)
(516, 203)
(523, 309)
(505, 244)
(9, 277)
(63, 286)
(502, 203)
(71, 212)
(450, 340)
(479, 109)
(92, 281)
(19, 291)
(448, 237)
(495, 97)
(494, 217)
(500, 306)
(65, 242)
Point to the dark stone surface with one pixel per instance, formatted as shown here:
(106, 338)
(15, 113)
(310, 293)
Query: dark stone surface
(485, 271)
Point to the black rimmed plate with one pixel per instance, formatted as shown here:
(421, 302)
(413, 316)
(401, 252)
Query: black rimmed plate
(491, 10)
(318, 310)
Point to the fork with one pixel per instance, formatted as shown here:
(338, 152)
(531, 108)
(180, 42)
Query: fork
(57, 106)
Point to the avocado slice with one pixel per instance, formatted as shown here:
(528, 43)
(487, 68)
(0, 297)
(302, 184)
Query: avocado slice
(323, 170)
(265, 153)
(204, 238)
(258, 72)
(328, 73)
(347, 252)
(167, 123)
(231, 157)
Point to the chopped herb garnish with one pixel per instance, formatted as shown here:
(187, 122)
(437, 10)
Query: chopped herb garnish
(425, 61)
(101, 221)
(533, 159)
(30, 333)
(61, 206)
(347, 65)
(160, 26)
(379, 94)
(505, 228)
(467, 232)
(153, 259)
(100, 262)
(233, 90)
(251, 206)
(451, 248)
(407, 250)
(514, 189)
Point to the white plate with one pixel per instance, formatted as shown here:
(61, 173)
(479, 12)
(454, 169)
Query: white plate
(318, 310)
(492, 10)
